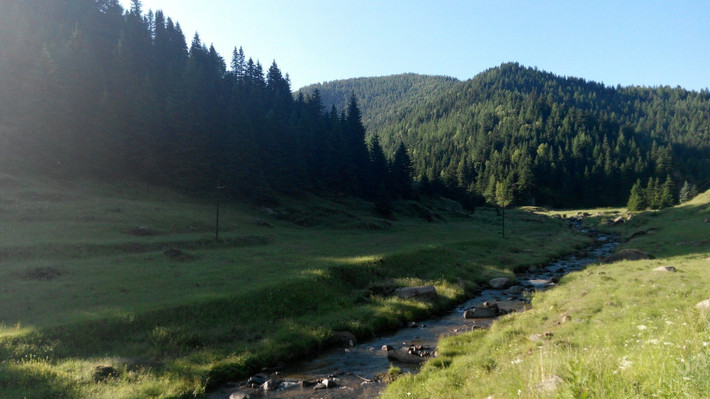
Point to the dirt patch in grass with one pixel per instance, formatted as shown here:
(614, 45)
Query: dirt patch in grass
(140, 231)
(87, 250)
(41, 273)
(178, 255)
(49, 197)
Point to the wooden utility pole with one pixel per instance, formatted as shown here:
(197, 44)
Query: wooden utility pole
(216, 226)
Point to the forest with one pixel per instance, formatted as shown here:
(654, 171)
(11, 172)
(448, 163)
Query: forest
(120, 95)
(518, 135)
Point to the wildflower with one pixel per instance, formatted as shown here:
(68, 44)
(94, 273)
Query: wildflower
(625, 363)
(516, 361)
(641, 327)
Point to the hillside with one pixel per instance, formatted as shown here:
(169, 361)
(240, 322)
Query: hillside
(617, 330)
(383, 100)
(517, 134)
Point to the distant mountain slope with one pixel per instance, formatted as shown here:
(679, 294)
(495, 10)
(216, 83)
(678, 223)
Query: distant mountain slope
(520, 135)
(383, 99)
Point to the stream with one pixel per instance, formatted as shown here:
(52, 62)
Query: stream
(352, 372)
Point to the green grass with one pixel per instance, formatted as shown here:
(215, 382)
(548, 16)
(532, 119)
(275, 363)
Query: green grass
(79, 291)
(615, 330)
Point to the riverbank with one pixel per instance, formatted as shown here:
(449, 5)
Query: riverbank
(623, 329)
(362, 369)
(112, 293)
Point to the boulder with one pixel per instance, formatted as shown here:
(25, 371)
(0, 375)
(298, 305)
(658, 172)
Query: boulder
(618, 220)
(485, 311)
(500, 283)
(326, 383)
(703, 305)
(343, 338)
(403, 356)
(550, 384)
(516, 290)
(671, 269)
(424, 292)
(271, 385)
(627, 254)
(258, 379)
(239, 395)
(535, 337)
(411, 354)
(307, 383)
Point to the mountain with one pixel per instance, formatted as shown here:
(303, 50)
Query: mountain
(515, 134)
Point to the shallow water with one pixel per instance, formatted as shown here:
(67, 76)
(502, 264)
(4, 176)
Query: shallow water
(355, 369)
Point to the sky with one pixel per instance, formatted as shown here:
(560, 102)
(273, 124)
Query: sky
(645, 43)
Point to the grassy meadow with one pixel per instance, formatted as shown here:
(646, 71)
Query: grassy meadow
(115, 291)
(619, 330)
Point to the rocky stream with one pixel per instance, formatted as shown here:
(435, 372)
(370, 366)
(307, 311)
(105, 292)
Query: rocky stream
(354, 371)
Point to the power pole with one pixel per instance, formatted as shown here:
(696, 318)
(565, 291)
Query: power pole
(216, 227)
(503, 221)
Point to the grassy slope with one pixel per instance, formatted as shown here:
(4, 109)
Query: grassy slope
(79, 291)
(617, 330)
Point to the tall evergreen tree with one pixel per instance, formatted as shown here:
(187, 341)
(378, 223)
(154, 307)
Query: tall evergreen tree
(353, 133)
(637, 199)
(401, 172)
(686, 192)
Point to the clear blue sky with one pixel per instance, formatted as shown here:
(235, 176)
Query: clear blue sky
(646, 43)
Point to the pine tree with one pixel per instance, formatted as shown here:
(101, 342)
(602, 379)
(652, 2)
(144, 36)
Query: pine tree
(353, 133)
(238, 64)
(401, 171)
(652, 194)
(686, 192)
(378, 166)
(667, 198)
(637, 199)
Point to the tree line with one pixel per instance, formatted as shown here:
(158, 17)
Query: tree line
(120, 94)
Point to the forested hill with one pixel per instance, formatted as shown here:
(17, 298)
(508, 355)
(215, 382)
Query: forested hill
(88, 88)
(383, 100)
(519, 135)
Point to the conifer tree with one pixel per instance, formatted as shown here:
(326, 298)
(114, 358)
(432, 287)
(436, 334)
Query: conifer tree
(686, 192)
(353, 133)
(401, 171)
(637, 199)
(652, 193)
(667, 197)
